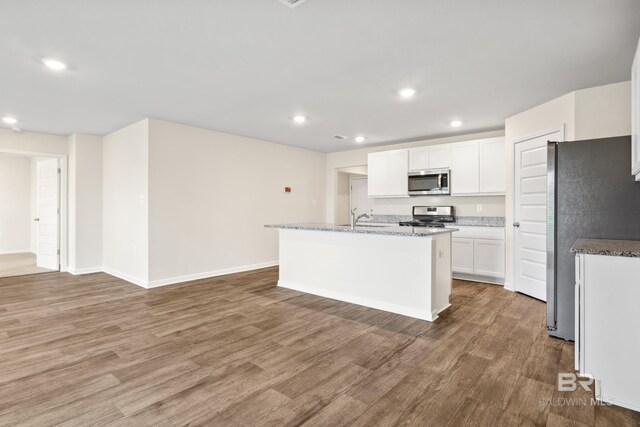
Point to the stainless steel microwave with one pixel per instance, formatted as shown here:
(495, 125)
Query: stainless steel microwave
(430, 182)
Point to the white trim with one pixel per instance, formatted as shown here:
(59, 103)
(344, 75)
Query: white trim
(86, 270)
(24, 251)
(208, 274)
(148, 284)
(476, 278)
(126, 277)
(392, 308)
(63, 164)
(510, 282)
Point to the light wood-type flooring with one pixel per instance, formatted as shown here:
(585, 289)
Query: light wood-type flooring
(19, 264)
(238, 351)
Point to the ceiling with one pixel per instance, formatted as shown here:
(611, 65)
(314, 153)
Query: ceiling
(247, 66)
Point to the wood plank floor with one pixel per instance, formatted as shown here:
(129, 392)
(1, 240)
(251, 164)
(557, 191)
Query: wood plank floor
(236, 350)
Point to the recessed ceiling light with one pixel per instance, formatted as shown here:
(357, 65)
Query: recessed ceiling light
(407, 92)
(360, 138)
(10, 120)
(299, 119)
(54, 64)
(456, 123)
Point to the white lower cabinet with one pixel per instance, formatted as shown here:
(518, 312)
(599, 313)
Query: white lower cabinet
(488, 257)
(477, 253)
(462, 255)
(607, 321)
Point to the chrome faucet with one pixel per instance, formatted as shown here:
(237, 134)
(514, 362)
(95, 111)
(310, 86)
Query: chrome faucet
(354, 219)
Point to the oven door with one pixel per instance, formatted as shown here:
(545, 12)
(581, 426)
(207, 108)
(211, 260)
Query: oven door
(424, 183)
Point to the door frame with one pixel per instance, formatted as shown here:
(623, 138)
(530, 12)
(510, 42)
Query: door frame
(63, 243)
(351, 179)
(509, 231)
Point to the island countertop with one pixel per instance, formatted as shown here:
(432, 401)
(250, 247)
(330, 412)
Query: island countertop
(623, 248)
(367, 229)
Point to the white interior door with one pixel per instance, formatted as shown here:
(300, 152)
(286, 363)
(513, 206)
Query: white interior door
(530, 215)
(359, 195)
(47, 211)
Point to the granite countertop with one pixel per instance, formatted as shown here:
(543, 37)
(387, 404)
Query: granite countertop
(462, 221)
(364, 229)
(625, 248)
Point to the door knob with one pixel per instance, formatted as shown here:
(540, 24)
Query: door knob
(516, 224)
(36, 219)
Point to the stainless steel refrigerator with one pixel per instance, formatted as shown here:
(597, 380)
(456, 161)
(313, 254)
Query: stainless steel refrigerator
(590, 193)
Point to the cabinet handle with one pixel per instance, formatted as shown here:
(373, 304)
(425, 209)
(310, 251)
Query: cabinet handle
(516, 224)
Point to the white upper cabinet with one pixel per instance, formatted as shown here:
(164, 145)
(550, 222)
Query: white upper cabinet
(635, 115)
(378, 174)
(431, 157)
(492, 166)
(387, 172)
(478, 167)
(419, 158)
(398, 173)
(440, 156)
(465, 168)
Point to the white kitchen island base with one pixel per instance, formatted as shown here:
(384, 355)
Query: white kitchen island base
(403, 274)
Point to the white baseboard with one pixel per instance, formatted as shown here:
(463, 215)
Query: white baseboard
(24, 251)
(482, 279)
(86, 270)
(208, 274)
(126, 277)
(148, 284)
(392, 308)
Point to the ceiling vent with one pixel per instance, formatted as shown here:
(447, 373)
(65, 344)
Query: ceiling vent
(339, 136)
(293, 3)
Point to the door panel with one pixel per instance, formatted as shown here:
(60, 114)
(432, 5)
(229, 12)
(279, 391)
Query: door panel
(488, 257)
(530, 212)
(440, 156)
(419, 158)
(465, 170)
(398, 170)
(47, 209)
(378, 174)
(462, 255)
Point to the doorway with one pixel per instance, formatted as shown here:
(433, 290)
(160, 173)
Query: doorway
(530, 213)
(29, 215)
(359, 195)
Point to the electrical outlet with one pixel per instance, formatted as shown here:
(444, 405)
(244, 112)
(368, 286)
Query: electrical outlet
(479, 208)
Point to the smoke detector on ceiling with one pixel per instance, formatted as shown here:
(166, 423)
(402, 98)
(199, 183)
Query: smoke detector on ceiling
(293, 3)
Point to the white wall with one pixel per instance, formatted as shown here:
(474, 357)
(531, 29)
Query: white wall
(492, 206)
(603, 111)
(85, 203)
(211, 193)
(15, 204)
(598, 112)
(125, 203)
(32, 142)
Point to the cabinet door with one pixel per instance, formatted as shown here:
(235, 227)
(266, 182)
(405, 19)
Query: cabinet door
(440, 156)
(492, 166)
(378, 174)
(398, 169)
(418, 158)
(462, 255)
(488, 257)
(465, 171)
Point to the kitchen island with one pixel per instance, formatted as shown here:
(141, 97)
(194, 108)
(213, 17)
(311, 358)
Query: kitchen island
(404, 270)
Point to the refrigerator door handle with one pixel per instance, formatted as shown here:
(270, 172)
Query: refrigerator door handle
(552, 290)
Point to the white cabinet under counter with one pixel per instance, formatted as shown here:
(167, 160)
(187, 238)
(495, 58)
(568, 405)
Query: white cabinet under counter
(478, 254)
(608, 319)
(403, 270)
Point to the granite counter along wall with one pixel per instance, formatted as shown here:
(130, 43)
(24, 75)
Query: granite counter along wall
(466, 209)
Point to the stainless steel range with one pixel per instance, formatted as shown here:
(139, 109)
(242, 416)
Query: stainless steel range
(430, 216)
